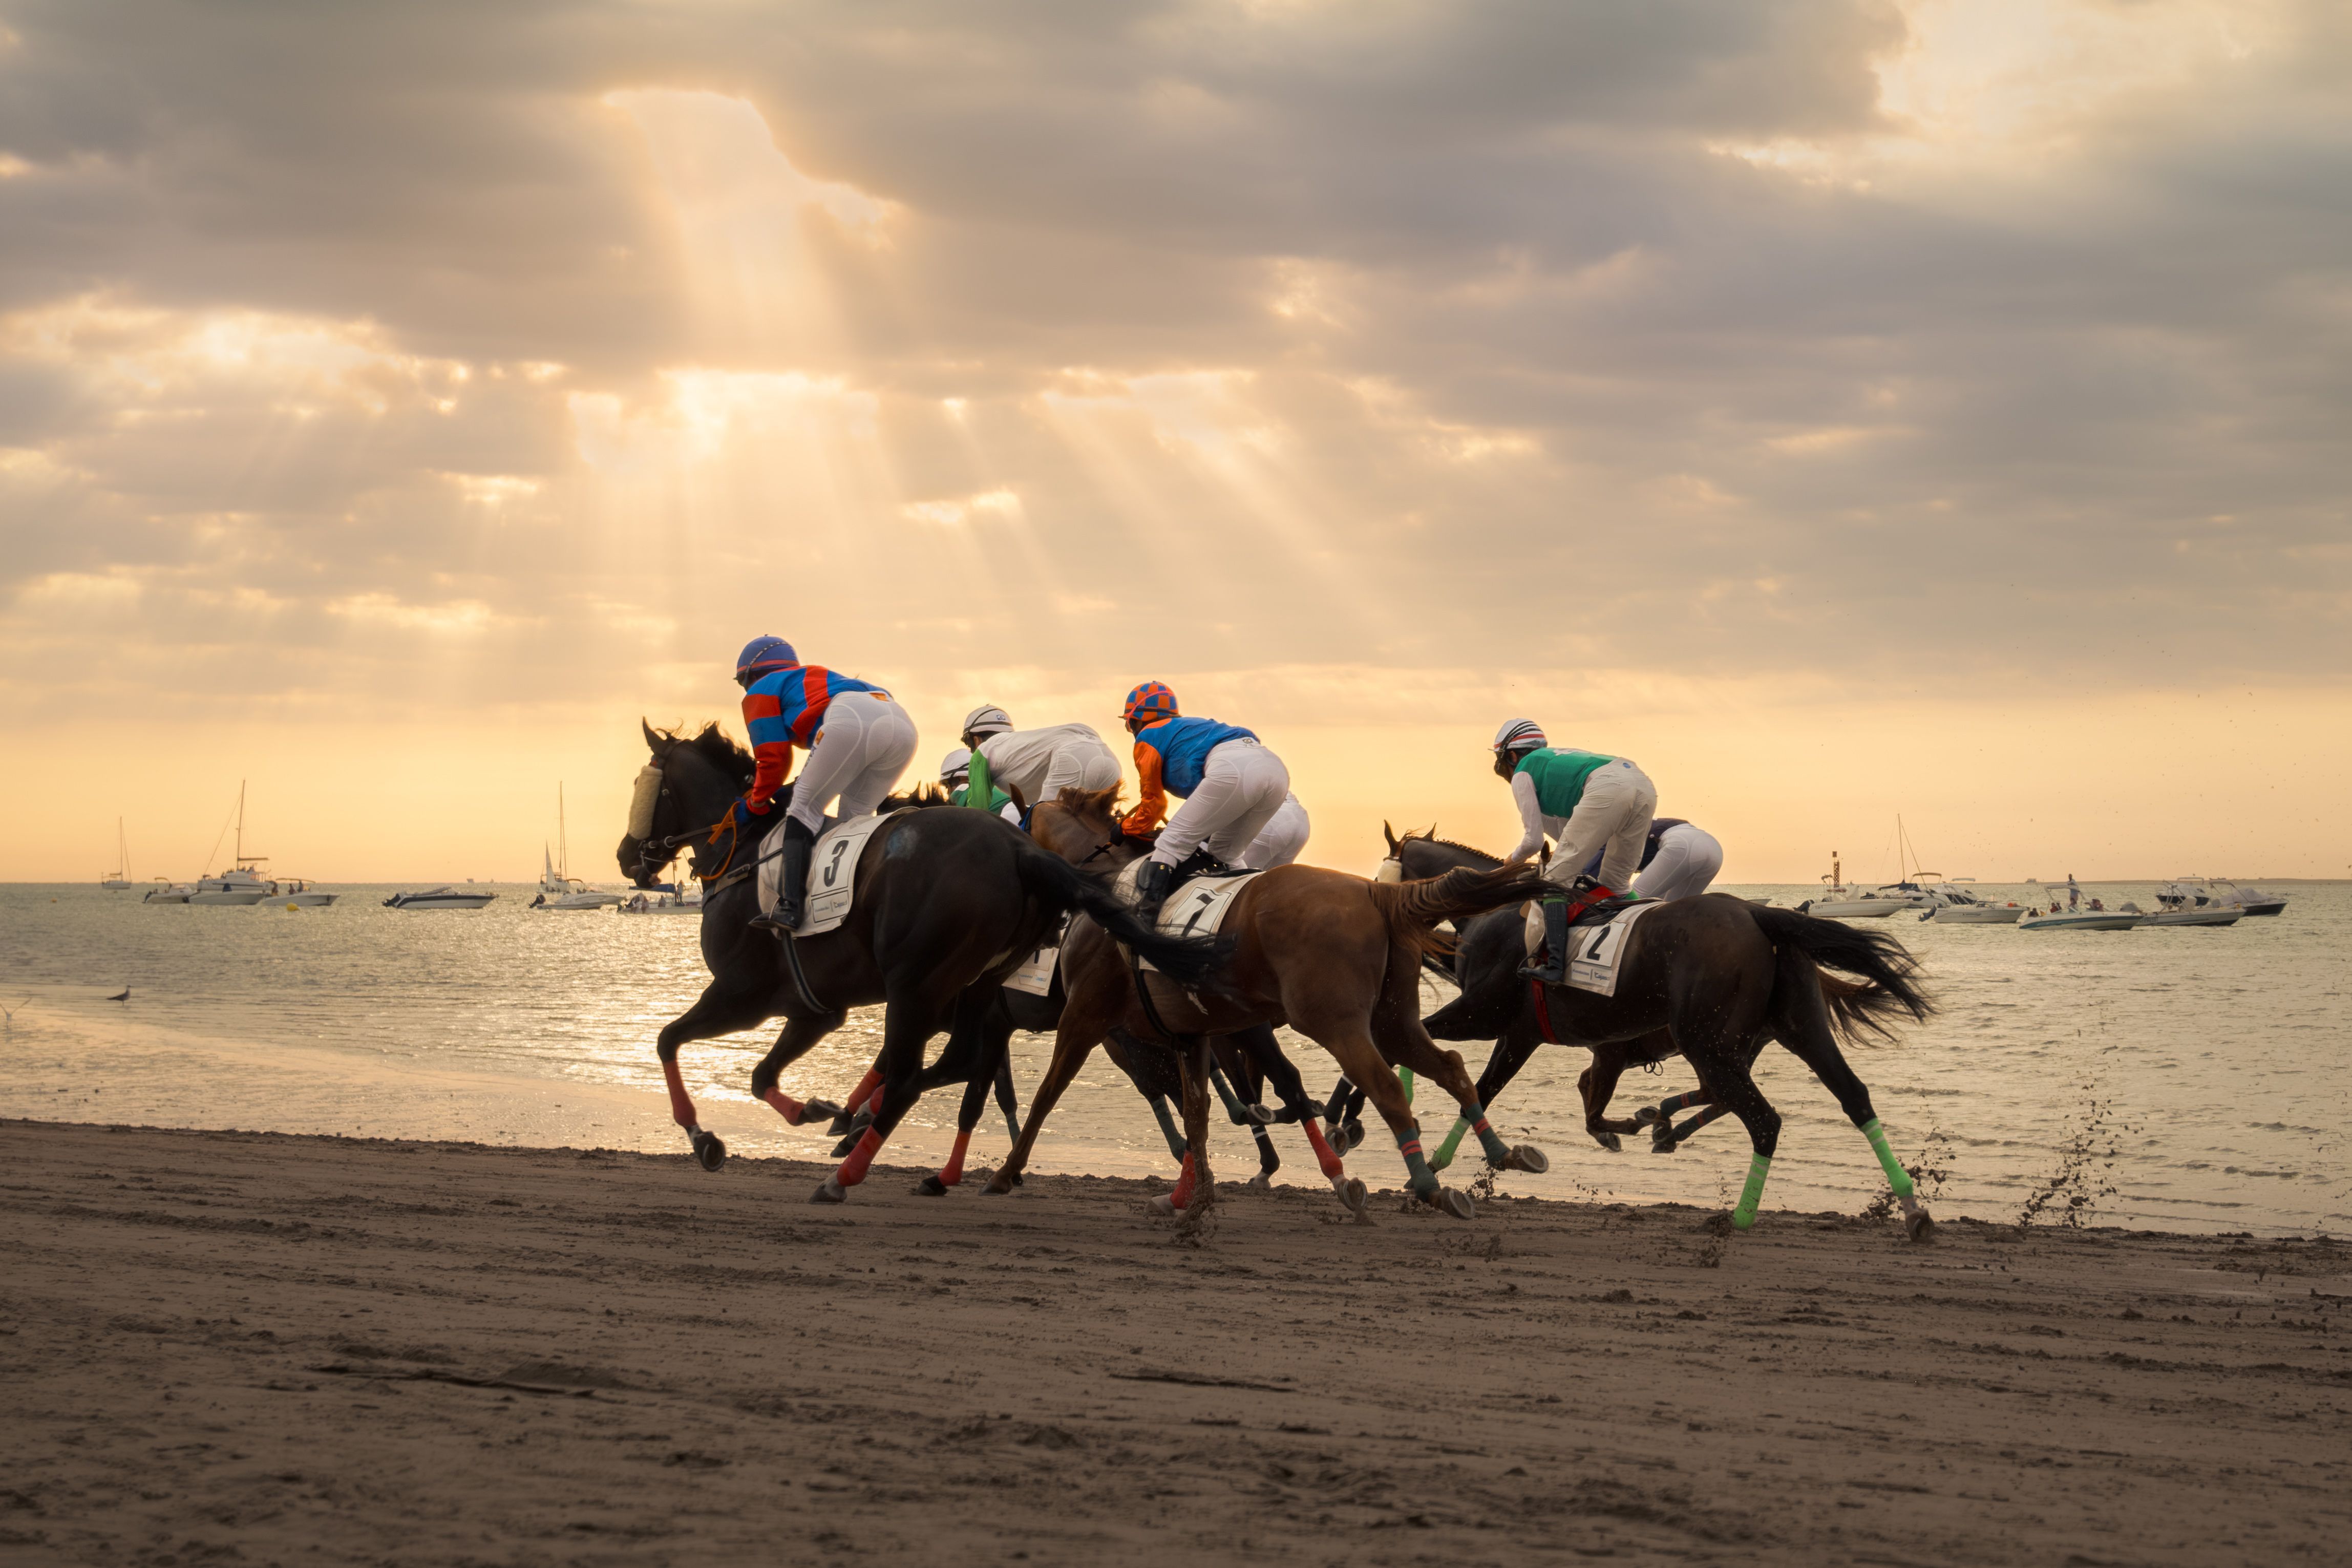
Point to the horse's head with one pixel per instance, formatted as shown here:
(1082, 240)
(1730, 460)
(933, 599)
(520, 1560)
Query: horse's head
(1420, 853)
(684, 786)
(1082, 826)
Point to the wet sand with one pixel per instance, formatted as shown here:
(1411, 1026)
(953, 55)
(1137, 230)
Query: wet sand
(264, 1348)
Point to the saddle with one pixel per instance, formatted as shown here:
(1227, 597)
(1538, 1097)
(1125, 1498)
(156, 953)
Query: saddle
(1600, 913)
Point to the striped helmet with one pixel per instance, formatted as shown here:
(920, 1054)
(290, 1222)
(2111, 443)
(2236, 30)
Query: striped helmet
(762, 654)
(955, 768)
(1151, 697)
(1519, 735)
(987, 719)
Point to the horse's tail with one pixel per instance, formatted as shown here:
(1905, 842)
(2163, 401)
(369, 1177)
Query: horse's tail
(1062, 887)
(1889, 974)
(1413, 909)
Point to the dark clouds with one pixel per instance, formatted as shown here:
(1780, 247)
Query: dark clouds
(1474, 336)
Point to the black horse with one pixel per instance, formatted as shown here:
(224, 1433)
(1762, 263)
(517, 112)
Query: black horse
(1713, 979)
(945, 901)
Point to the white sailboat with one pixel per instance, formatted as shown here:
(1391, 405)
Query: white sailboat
(558, 889)
(119, 879)
(1840, 902)
(242, 883)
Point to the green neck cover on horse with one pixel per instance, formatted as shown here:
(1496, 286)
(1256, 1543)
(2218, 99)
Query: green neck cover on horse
(978, 790)
(1759, 1167)
(1897, 1176)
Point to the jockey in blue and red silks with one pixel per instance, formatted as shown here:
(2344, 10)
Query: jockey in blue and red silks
(1232, 786)
(858, 741)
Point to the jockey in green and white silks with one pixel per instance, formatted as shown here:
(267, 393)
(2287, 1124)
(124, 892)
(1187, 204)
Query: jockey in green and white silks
(955, 776)
(1041, 763)
(1585, 801)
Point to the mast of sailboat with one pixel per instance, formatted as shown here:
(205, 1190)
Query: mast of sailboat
(562, 837)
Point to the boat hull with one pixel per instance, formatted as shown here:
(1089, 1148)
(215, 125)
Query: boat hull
(230, 899)
(420, 905)
(2106, 919)
(2195, 918)
(160, 896)
(305, 900)
(1977, 916)
(1857, 909)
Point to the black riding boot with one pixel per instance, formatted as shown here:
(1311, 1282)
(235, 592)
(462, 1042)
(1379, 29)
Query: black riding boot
(1153, 887)
(793, 881)
(1554, 968)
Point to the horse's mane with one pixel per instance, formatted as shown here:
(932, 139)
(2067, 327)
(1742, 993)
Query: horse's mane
(716, 748)
(921, 797)
(1429, 835)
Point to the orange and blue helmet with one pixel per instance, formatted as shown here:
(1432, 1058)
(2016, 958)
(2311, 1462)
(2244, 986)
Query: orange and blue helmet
(1151, 698)
(762, 656)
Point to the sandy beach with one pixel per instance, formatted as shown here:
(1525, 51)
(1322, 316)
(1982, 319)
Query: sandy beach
(269, 1349)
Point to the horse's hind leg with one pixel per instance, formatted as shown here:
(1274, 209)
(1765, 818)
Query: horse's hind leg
(1265, 1052)
(794, 1042)
(995, 1047)
(1085, 1021)
(909, 1019)
(1245, 1115)
(1396, 1024)
(1351, 1043)
(1801, 1020)
(1503, 1064)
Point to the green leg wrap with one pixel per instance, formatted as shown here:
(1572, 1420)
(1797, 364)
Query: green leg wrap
(1498, 1155)
(1897, 1176)
(1759, 1167)
(1405, 1077)
(1168, 1127)
(1444, 1155)
(1417, 1174)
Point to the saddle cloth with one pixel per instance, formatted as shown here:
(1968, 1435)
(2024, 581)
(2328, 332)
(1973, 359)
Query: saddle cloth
(1197, 908)
(833, 872)
(1594, 949)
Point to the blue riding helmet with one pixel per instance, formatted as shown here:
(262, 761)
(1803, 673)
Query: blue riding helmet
(762, 655)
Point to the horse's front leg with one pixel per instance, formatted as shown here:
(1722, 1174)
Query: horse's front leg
(715, 1013)
(1397, 1028)
(1598, 1084)
(794, 1042)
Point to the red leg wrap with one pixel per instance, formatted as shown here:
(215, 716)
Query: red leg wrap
(954, 1171)
(853, 1170)
(865, 1086)
(786, 1106)
(681, 1108)
(1183, 1195)
(1325, 1155)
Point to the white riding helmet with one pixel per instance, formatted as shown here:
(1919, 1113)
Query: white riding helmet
(987, 719)
(956, 767)
(1519, 735)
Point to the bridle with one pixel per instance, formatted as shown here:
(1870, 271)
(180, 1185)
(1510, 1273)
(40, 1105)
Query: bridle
(708, 835)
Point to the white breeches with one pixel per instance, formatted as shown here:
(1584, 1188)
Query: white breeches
(1078, 767)
(1243, 784)
(1284, 837)
(857, 754)
(1688, 857)
(1613, 817)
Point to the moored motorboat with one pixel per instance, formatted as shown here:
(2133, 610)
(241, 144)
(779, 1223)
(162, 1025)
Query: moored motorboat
(441, 897)
(2218, 892)
(2093, 916)
(1956, 906)
(1839, 902)
(662, 902)
(167, 891)
(294, 893)
(2212, 915)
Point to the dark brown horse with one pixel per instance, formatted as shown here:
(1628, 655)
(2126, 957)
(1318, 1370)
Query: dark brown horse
(1713, 978)
(948, 903)
(1334, 956)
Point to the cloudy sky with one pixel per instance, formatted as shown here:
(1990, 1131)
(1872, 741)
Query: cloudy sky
(1844, 407)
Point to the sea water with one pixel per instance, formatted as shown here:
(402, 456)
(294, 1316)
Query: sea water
(2184, 1078)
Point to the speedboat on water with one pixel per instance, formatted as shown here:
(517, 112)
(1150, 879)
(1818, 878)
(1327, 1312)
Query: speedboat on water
(2218, 893)
(167, 891)
(662, 902)
(1839, 902)
(442, 898)
(2091, 916)
(2191, 915)
(1956, 906)
(295, 893)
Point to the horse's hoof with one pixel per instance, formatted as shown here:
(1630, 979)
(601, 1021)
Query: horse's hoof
(1535, 1161)
(1919, 1226)
(1352, 1136)
(1647, 1117)
(1610, 1142)
(1259, 1114)
(709, 1151)
(819, 1110)
(931, 1187)
(1351, 1192)
(996, 1188)
(1162, 1205)
(841, 1149)
(1261, 1182)
(829, 1192)
(1018, 1178)
(1454, 1202)
(1664, 1142)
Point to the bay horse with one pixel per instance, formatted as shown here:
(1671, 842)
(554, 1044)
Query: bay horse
(1713, 979)
(1334, 956)
(945, 900)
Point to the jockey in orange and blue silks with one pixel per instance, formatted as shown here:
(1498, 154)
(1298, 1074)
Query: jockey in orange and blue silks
(858, 741)
(1230, 784)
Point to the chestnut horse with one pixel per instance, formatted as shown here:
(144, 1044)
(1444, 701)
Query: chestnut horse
(1336, 957)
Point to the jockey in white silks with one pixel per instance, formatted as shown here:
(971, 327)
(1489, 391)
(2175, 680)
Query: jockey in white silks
(1680, 861)
(1586, 802)
(1038, 764)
